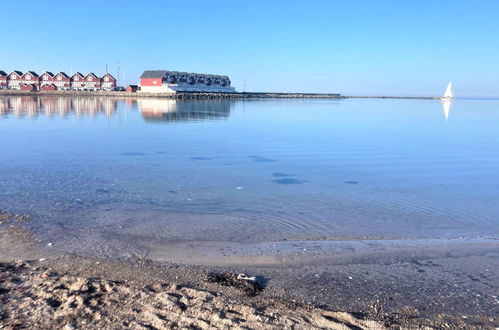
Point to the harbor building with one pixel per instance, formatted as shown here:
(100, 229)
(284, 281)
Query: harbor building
(164, 81)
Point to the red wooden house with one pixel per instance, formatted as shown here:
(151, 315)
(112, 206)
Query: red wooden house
(46, 78)
(77, 81)
(14, 79)
(92, 82)
(108, 82)
(31, 78)
(62, 81)
(132, 88)
(3, 79)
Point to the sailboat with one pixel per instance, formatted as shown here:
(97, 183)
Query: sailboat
(449, 94)
(447, 101)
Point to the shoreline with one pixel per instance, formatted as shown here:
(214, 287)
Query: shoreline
(207, 95)
(396, 289)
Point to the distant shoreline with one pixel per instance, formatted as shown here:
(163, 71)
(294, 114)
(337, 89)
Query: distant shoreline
(396, 97)
(204, 96)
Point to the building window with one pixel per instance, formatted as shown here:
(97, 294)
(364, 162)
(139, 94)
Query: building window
(59, 78)
(106, 78)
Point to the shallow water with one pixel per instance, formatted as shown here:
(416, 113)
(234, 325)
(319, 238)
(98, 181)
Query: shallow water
(131, 177)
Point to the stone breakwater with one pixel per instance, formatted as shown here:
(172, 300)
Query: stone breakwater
(183, 95)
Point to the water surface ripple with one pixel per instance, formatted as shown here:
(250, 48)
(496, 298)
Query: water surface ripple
(106, 175)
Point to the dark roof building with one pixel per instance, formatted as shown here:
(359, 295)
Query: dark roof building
(165, 81)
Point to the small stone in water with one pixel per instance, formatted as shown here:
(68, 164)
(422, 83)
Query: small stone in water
(50, 244)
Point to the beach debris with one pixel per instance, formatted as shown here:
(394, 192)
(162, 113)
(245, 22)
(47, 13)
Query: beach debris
(239, 188)
(49, 244)
(246, 278)
(251, 285)
(42, 259)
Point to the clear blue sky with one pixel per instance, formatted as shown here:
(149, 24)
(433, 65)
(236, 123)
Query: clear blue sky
(354, 47)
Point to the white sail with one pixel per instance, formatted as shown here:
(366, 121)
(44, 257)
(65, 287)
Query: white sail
(449, 94)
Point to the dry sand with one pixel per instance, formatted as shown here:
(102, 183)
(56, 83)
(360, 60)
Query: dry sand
(36, 297)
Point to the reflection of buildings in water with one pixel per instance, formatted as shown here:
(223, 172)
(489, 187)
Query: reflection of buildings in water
(62, 106)
(130, 101)
(168, 110)
(447, 107)
(163, 110)
(4, 106)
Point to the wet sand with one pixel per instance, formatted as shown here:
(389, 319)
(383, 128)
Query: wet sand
(451, 284)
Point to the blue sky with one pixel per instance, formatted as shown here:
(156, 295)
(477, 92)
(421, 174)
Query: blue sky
(352, 47)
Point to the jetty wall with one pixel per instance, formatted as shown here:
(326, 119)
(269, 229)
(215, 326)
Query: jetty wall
(178, 95)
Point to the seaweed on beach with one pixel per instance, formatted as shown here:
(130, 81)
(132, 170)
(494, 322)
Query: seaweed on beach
(250, 285)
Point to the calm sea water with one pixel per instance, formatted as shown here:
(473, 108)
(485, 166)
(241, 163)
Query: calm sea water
(99, 170)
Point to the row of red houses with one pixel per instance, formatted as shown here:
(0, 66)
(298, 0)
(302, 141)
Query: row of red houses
(47, 81)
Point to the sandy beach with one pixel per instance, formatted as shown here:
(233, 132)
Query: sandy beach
(40, 288)
(34, 296)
